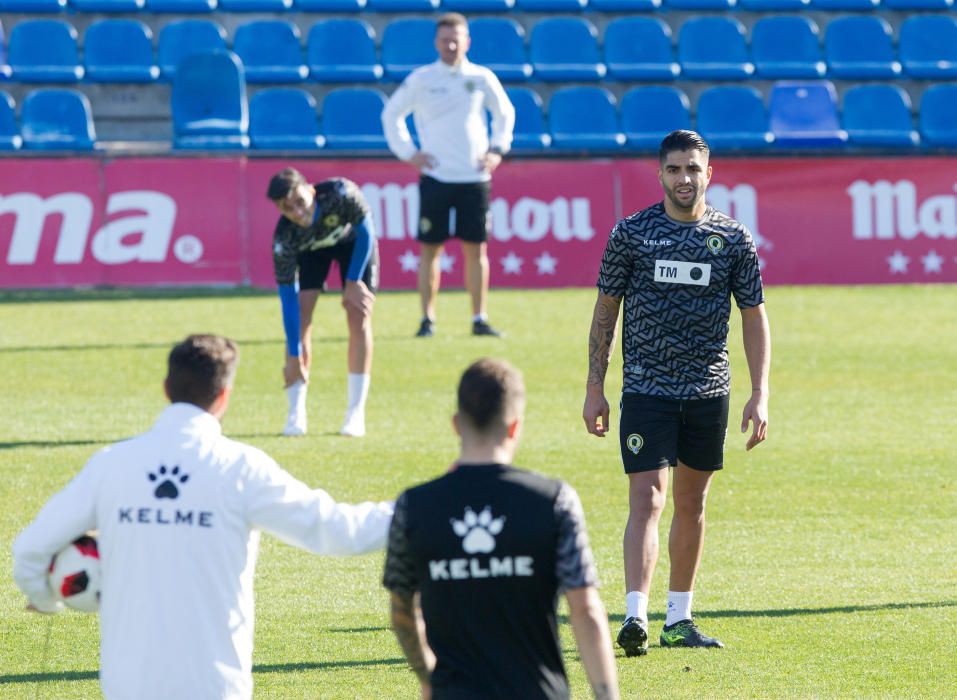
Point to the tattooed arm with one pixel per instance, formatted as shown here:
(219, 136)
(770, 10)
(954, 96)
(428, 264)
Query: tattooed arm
(409, 629)
(601, 342)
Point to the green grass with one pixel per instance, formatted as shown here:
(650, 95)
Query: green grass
(829, 564)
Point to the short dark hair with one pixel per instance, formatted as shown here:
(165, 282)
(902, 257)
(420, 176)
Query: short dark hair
(491, 394)
(199, 368)
(682, 140)
(284, 182)
(451, 19)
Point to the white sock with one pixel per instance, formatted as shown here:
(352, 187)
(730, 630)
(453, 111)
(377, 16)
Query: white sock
(297, 397)
(679, 606)
(358, 391)
(479, 317)
(636, 605)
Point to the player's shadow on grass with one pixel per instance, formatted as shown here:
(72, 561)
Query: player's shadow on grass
(52, 443)
(162, 345)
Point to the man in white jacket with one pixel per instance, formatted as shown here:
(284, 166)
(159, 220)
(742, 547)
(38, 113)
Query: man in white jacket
(448, 100)
(178, 510)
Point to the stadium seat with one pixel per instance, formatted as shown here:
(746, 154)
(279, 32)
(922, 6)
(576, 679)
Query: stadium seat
(698, 5)
(32, 6)
(44, 51)
(181, 7)
(584, 118)
(928, 47)
(498, 43)
(938, 116)
(57, 119)
(550, 6)
(119, 51)
(254, 5)
(565, 49)
(407, 44)
(804, 115)
(713, 48)
(5, 71)
(786, 46)
(733, 117)
(918, 4)
(640, 48)
(773, 5)
(130, 6)
(209, 102)
(182, 37)
(624, 5)
(271, 51)
(342, 51)
(840, 5)
(860, 47)
(649, 113)
(352, 119)
(326, 6)
(10, 139)
(477, 6)
(402, 5)
(878, 115)
(530, 133)
(284, 119)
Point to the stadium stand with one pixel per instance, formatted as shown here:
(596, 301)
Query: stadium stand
(530, 133)
(804, 115)
(498, 43)
(10, 139)
(928, 47)
(342, 51)
(209, 102)
(786, 46)
(270, 51)
(733, 117)
(938, 116)
(351, 119)
(714, 48)
(284, 119)
(5, 71)
(182, 37)
(878, 115)
(119, 51)
(584, 117)
(565, 49)
(57, 119)
(649, 113)
(860, 48)
(45, 51)
(640, 48)
(407, 43)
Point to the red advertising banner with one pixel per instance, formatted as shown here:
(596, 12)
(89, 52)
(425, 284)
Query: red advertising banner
(191, 221)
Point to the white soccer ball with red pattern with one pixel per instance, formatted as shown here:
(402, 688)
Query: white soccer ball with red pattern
(74, 575)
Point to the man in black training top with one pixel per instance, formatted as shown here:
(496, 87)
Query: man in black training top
(322, 223)
(676, 264)
(485, 550)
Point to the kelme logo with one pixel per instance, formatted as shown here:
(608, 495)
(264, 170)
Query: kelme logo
(635, 442)
(715, 243)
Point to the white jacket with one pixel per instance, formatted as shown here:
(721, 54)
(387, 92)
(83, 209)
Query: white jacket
(448, 105)
(178, 511)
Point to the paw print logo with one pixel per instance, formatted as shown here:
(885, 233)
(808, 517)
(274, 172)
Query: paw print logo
(478, 531)
(168, 478)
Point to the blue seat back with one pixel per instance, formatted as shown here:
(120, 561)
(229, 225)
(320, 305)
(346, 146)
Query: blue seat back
(498, 43)
(938, 116)
(45, 50)
(181, 7)
(804, 114)
(385, 6)
(352, 119)
(530, 131)
(209, 100)
(284, 118)
(271, 51)
(180, 38)
(342, 50)
(584, 117)
(57, 119)
(650, 113)
(32, 6)
(733, 116)
(119, 50)
(714, 48)
(10, 139)
(407, 44)
(928, 46)
(550, 5)
(565, 49)
(640, 48)
(499, 6)
(860, 47)
(878, 115)
(787, 46)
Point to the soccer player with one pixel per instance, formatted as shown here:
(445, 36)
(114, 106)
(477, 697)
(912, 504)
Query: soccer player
(448, 100)
(321, 223)
(676, 264)
(179, 510)
(487, 548)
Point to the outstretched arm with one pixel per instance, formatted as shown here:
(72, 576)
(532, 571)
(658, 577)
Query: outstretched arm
(409, 629)
(590, 624)
(757, 350)
(601, 342)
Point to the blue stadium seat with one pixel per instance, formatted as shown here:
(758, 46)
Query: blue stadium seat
(650, 113)
(550, 5)
(32, 6)
(181, 7)
(918, 4)
(271, 51)
(407, 44)
(698, 5)
(342, 51)
(5, 71)
(130, 6)
(786, 46)
(640, 48)
(804, 115)
(878, 115)
(44, 51)
(714, 48)
(326, 6)
(840, 5)
(402, 5)
(254, 5)
(565, 49)
(584, 118)
(530, 132)
(498, 43)
(352, 119)
(182, 37)
(284, 119)
(860, 47)
(10, 139)
(57, 119)
(928, 47)
(624, 5)
(209, 102)
(773, 5)
(938, 116)
(119, 51)
(733, 117)
(478, 6)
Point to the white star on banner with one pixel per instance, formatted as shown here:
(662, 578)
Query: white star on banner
(409, 261)
(446, 262)
(512, 264)
(898, 262)
(546, 264)
(932, 262)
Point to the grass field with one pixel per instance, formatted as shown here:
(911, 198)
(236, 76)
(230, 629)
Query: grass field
(829, 569)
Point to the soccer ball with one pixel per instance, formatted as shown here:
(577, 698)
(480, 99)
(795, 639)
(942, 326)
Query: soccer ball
(74, 575)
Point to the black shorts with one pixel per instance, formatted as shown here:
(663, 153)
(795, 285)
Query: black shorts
(314, 266)
(657, 432)
(438, 199)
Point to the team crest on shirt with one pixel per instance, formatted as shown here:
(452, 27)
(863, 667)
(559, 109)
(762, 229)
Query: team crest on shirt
(470, 85)
(425, 225)
(331, 221)
(715, 243)
(635, 442)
